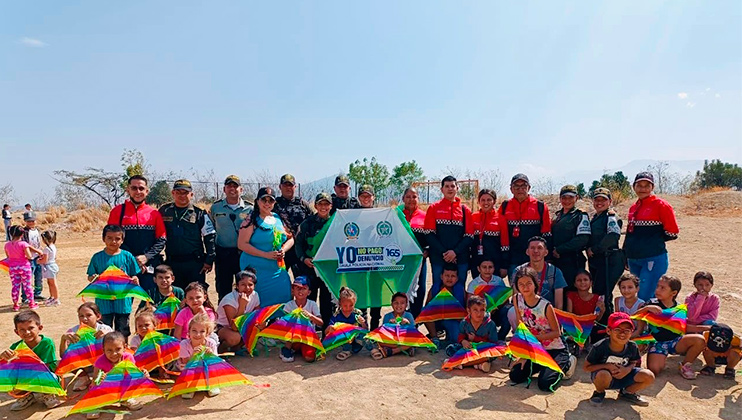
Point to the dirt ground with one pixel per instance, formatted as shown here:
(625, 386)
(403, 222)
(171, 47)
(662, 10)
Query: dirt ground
(401, 387)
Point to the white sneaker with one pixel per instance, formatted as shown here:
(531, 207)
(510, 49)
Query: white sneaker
(572, 367)
(187, 396)
(23, 403)
(214, 392)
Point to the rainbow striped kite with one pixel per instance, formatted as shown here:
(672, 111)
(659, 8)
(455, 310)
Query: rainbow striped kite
(478, 353)
(672, 319)
(4, 266)
(206, 371)
(342, 333)
(644, 339)
(26, 372)
(577, 327)
(157, 350)
(400, 335)
(114, 284)
(247, 324)
(493, 294)
(81, 354)
(166, 312)
(442, 306)
(294, 327)
(124, 382)
(524, 345)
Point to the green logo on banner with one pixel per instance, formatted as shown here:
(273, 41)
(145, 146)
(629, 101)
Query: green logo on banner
(384, 228)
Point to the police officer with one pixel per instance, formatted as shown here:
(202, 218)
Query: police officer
(305, 248)
(189, 250)
(227, 215)
(366, 196)
(293, 210)
(341, 199)
(570, 231)
(605, 258)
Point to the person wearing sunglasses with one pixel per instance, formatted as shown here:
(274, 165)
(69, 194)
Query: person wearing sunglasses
(264, 240)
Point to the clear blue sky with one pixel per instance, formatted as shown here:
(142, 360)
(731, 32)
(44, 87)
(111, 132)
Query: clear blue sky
(307, 87)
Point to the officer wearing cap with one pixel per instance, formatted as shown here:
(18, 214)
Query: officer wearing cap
(294, 210)
(189, 250)
(570, 231)
(227, 215)
(341, 199)
(305, 249)
(366, 196)
(604, 257)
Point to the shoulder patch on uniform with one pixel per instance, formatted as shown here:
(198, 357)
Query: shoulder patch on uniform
(612, 226)
(584, 227)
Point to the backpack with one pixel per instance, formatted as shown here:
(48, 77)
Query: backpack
(720, 338)
(540, 205)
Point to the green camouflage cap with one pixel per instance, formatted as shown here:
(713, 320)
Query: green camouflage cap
(365, 188)
(602, 192)
(182, 184)
(323, 196)
(288, 179)
(233, 179)
(342, 179)
(568, 190)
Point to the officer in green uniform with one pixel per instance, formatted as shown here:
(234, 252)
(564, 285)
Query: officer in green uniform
(570, 231)
(189, 250)
(366, 196)
(341, 199)
(294, 210)
(306, 244)
(227, 215)
(605, 258)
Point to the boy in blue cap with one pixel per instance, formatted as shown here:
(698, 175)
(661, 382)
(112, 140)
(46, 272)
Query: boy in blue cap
(300, 292)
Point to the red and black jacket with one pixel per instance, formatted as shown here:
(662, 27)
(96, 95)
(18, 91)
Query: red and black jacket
(416, 219)
(143, 227)
(525, 220)
(651, 223)
(449, 226)
(491, 232)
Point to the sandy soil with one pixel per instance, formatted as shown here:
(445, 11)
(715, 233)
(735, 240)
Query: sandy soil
(403, 387)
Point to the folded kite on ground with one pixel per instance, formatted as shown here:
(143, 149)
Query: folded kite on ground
(400, 335)
(26, 372)
(577, 327)
(672, 319)
(478, 353)
(81, 354)
(114, 284)
(206, 371)
(493, 294)
(247, 324)
(443, 306)
(524, 345)
(294, 327)
(4, 266)
(157, 350)
(342, 333)
(644, 339)
(167, 311)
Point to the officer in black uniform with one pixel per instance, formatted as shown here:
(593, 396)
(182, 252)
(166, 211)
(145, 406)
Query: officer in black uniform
(341, 199)
(293, 210)
(306, 247)
(190, 237)
(605, 259)
(570, 231)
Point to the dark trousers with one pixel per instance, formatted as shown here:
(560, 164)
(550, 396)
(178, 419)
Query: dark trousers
(606, 270)
(319, 293)
(500, 318)
(186, 272)
(119, 322)
(548, 380)
(570, 266)
(375, 318)
(417, 305)
(226, 265)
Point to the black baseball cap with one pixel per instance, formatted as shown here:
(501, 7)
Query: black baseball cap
(342, 179)
(644, 176)
(602, 192)
(266, 192)
(182, 184)
(288, 179)
(568, 190)
(520, 177)
(233, 179)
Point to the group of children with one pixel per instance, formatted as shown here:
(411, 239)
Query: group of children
(613, 360)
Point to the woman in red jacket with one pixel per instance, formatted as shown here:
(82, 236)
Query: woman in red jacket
(416, 218)
(490, 236)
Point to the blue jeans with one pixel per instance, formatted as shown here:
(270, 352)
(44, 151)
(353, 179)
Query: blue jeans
(38, 281)
(649, 271)
(417, 305)
(458, 288)
(452, 328)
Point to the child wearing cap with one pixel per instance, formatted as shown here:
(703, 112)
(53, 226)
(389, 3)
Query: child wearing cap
(612, 363)
(722, 347)
(300, 292)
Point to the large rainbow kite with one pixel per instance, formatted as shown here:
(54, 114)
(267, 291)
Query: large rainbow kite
(166, 312)
(294, 327)
(157, 350)
(26, 372)
(673, 319)
(206, 371)
(342, 333)
(81, 354)
(493, 294)
(114, 284)
(400, 335)
(578, 327)
(524, 345)
(247, 324)
(478, 353)
(443, 306)
(4, 266)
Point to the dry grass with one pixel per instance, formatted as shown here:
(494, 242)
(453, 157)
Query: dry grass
(86, 220)
(715, 202)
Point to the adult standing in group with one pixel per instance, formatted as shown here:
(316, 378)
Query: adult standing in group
(604, 257)
(190, 237)
(551, 282)
(449, 230)
(570, 233)
(366, 200)
(490, 236)
(341, 198)
(306, 246)
(7, 220)
(415, 216)
(145, 234)
(264, 240)
(227, 215)
(294, 210)
(651, 223)
(526, 217)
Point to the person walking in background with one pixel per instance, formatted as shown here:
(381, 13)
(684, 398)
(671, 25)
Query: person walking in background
(227, 215)
(605, 258)
(651, 223)
(7, 218)
(294, 210)
(570, 232)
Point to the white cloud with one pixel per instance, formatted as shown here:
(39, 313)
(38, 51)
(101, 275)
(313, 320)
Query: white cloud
(33, 42)
(682, 95)
(718, 95)
(708, 89)
(690, 104)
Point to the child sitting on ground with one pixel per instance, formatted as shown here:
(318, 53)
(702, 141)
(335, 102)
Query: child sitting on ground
(89, 315)
(477, 327)
(164, 279)
(28, 327)
(612, 363)
(200, 328)
(347, 313)
(723, 347)
(703, 306)
(144, 322)
(398, 315)
(629, 301)
(241, 300)
(114, 351)
(584, 302)
(196, 301)
(668, 342)
(449, 278)
(487, 277)
(300, 292)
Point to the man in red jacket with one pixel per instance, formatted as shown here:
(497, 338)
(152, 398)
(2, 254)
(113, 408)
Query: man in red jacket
(449, 232)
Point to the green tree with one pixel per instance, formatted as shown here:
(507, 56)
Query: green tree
(581, 190)
(405, 174)
(618, 183)
(369, 172)
(159, 194)
(719, 174)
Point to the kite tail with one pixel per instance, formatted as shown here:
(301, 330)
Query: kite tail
(530, 374)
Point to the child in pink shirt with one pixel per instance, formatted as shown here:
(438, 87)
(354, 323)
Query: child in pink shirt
(19, 267)
(703, 306)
